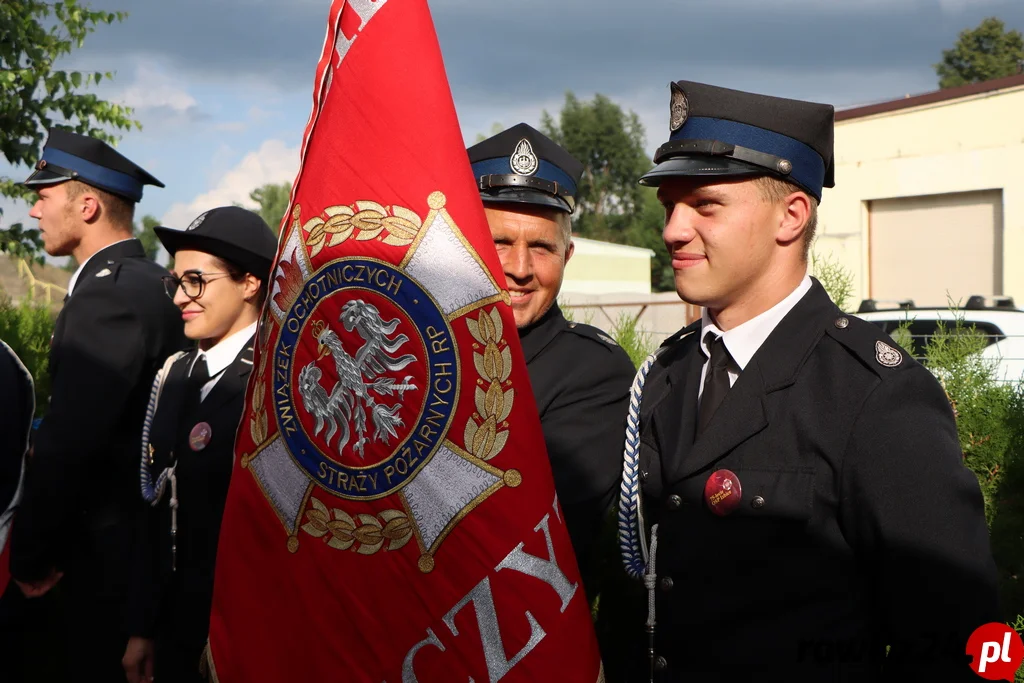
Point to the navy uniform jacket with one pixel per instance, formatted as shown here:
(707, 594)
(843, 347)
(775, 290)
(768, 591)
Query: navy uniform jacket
(858, 527)
(581, 382)
(112, 335)
(16, 407)
(173, 607)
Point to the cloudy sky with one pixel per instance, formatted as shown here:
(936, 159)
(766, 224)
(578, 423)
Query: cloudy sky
(223, 87)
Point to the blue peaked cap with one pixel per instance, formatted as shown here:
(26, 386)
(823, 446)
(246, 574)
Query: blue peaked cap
(721, 132)
(70, 156)
(522, 165)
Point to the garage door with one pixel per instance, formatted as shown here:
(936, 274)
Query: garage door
(924, 247)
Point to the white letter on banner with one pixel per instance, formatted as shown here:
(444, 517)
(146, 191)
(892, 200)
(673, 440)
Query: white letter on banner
(545, 570)
(408, 674)
(490, 632)
(365, 9)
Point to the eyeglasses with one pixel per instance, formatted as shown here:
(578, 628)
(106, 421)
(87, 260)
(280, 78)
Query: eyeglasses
(192, 283)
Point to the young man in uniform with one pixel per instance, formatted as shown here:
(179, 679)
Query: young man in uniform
(805, 474)
(73, 529)
(580, 376)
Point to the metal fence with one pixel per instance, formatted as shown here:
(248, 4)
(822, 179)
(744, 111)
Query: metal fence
(37, 289)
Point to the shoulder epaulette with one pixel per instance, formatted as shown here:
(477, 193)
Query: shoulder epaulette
(869, 343)
(591, 332)
(682, 334)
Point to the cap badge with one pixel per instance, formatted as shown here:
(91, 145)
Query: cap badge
(887, 355)
(679, 109)
(197, 222)
(524, 161)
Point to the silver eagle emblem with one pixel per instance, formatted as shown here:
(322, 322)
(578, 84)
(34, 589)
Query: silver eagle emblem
(679, 109)
(524, 161)
(361, 379)
(887, 355)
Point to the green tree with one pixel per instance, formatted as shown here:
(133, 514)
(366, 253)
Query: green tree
(146, 234)
(22, 243)
(495, 129)
(981, 54)
(273, 200)
(612, 206)
(610, 143)
(34, 95)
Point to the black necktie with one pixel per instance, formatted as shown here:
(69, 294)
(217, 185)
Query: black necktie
(716, 381)
(200, 374)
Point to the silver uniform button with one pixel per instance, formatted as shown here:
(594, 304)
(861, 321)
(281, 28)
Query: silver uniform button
(842, 322)
(666, 583)
(757, 503)
(660, 664)
(674, 502)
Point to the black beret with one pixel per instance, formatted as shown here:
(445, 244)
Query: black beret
(239, 236)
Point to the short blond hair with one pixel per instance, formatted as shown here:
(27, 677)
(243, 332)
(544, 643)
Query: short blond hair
(120, 212)
(775, 190)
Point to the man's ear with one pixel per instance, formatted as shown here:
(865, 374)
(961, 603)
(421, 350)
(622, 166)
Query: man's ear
(569, 252)
(796, 211)
(88, 207)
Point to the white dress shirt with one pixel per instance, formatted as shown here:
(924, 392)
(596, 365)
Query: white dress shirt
(81, 266)
(744, 340)
(222, 355)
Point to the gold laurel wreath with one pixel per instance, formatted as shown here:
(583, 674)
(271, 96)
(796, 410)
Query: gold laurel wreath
(487, 431)
(364, 220)
(258, 421)
(344, 531)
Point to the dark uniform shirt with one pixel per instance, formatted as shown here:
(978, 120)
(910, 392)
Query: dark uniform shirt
(580, 379)
(172, 595)
(858, 525)
(81, 490)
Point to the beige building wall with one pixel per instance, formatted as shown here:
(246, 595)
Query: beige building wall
(970, 144)
(607, 268)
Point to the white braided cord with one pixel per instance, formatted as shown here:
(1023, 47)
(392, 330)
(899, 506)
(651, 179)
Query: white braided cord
(632, 543)
(152, 492)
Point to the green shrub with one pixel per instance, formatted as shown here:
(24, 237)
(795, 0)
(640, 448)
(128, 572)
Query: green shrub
(990, 425)
(637, 343)
(835, 278)
(27, 328)
(982, 405)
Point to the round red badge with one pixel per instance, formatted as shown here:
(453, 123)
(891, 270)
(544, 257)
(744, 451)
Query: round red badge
(723, 492)
(200, 436)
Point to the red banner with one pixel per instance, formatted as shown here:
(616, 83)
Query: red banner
(392, 516)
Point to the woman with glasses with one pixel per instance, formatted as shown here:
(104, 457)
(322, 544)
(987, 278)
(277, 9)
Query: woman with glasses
(219, 281)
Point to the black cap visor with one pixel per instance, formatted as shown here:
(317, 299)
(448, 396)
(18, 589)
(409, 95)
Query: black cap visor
(699, 166)
(522, 196)
(47, 176)
(176, 240)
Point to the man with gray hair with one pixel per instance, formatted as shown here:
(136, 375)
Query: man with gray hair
(580, 376)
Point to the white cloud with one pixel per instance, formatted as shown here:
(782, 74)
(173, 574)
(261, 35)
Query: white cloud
(273, 162)
(152, 89)
(230, 127)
